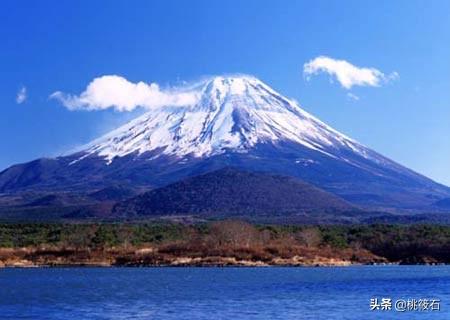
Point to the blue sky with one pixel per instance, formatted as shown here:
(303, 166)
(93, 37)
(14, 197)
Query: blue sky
(49, 46)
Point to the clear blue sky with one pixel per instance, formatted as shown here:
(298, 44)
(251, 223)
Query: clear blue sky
(62, 45)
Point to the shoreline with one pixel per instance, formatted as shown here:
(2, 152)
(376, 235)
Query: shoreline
(163, 256)
(150, 258)
(244, 265)
(208, 262)
(212, 266)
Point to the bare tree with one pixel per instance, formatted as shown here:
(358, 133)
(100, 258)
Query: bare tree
(234, 234)
(310, 237)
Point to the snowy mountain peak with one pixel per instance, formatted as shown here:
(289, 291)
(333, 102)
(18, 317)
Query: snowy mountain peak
(232, 114)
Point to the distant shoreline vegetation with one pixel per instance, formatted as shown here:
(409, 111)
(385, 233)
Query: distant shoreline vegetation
(222, 243)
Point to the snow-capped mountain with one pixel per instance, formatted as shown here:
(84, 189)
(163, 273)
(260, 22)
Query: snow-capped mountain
(233, 114)
(237, 121)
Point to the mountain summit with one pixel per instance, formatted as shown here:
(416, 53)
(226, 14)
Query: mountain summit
(237, 121)
(232, 114)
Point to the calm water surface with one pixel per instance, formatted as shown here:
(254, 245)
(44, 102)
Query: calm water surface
(219, 293)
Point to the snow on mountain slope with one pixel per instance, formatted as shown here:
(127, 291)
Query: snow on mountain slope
(240, 122)
(232, 114)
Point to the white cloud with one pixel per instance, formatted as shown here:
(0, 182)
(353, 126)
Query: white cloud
(21, 95)
(352, 96)
(112, 91)
(347, 74)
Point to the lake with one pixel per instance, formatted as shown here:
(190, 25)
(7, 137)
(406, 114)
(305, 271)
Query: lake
(222, 293)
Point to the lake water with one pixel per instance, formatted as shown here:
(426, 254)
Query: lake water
(220, 293)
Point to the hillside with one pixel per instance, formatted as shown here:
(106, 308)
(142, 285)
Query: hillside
(233, 192)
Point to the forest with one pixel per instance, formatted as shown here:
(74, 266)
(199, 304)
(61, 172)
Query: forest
(228, 242)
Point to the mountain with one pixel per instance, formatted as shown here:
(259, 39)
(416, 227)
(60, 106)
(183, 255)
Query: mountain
(237, 121)
(231, 192)
(112, 193)
(443, 203)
